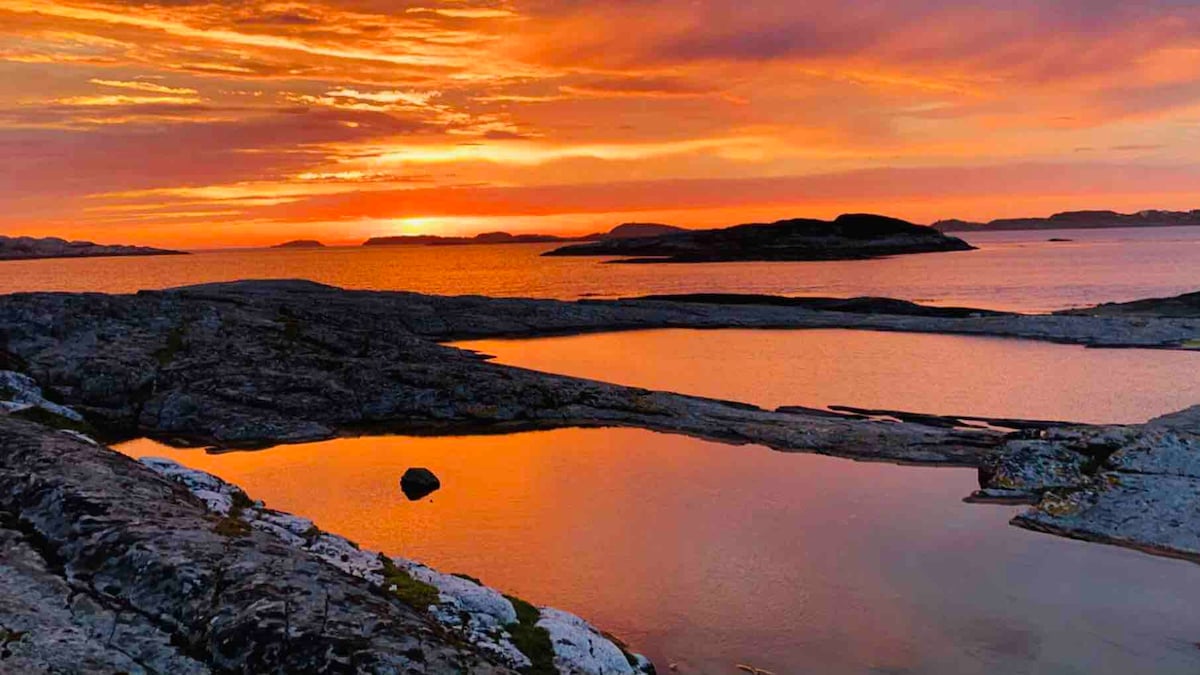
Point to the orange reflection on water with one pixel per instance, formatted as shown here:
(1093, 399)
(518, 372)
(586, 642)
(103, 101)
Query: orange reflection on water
(709, 555)
(941, 374)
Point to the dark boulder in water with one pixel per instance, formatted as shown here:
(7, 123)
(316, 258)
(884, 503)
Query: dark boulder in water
(418, 483)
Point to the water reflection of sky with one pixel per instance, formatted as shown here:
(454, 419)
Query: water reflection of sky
(943, 374)
(709, 555)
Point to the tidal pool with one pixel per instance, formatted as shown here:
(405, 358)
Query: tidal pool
(940, 374)
(706, 555)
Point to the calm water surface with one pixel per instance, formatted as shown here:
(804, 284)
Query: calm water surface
(707, 555)
(941, 374)
(1012, 271)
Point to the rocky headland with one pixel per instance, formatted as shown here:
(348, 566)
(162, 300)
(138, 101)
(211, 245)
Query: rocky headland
(31, 248)
(848, 237)
(1076, 220)
(155, 568)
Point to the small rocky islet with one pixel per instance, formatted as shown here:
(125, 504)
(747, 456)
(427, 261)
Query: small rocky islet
(300, 243)
(150, 567)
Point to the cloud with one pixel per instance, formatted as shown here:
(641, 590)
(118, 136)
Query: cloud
(139, 85)
(548, 106)
(1012, 181)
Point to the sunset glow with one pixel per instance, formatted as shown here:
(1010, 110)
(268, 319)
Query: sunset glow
(204, 124)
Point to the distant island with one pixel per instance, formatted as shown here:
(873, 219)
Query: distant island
(1076, 220)
(484, 238)
(300, 243)
(31, 248)
(848, 237)
(622, 231)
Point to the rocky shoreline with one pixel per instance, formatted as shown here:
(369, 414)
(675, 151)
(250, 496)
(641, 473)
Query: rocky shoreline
(147, 569)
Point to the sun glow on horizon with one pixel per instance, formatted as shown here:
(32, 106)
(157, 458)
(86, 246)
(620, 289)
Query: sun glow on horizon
(163, 121)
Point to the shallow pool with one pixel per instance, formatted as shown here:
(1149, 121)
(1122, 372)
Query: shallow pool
(706, 555)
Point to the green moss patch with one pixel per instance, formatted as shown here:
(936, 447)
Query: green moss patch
(531, 639)
(410, 591)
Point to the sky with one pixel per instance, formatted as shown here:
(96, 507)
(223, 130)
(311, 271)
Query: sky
(242, 122)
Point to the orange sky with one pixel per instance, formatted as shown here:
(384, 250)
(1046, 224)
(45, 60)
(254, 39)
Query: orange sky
(243, 122)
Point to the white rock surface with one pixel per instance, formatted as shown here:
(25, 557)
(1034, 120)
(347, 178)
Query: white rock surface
(19, 392)
(580, 649)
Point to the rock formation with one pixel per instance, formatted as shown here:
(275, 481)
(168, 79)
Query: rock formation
(30, 248)
(419, 482)
(849, 237)
(300, 243)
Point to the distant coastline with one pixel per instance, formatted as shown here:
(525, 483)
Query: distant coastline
(622, 231)
(32, 248)
(1076, 220)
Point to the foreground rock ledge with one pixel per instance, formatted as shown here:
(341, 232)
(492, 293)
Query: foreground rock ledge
(108, 567)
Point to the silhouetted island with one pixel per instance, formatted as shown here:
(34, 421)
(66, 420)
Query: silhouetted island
(848, 237)
(484, 238)
(622, 231)
(1077, 220)
(300, 243)
(31, 248)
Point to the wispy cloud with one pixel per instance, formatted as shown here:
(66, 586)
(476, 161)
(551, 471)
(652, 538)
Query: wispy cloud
(257, 111)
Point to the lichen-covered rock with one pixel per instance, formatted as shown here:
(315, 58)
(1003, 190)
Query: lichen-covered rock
(187, 584)
(47, 626)
(1033, 466)
(580, 649)
(1153, 512)
(1135, 486)
(1166, 453)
